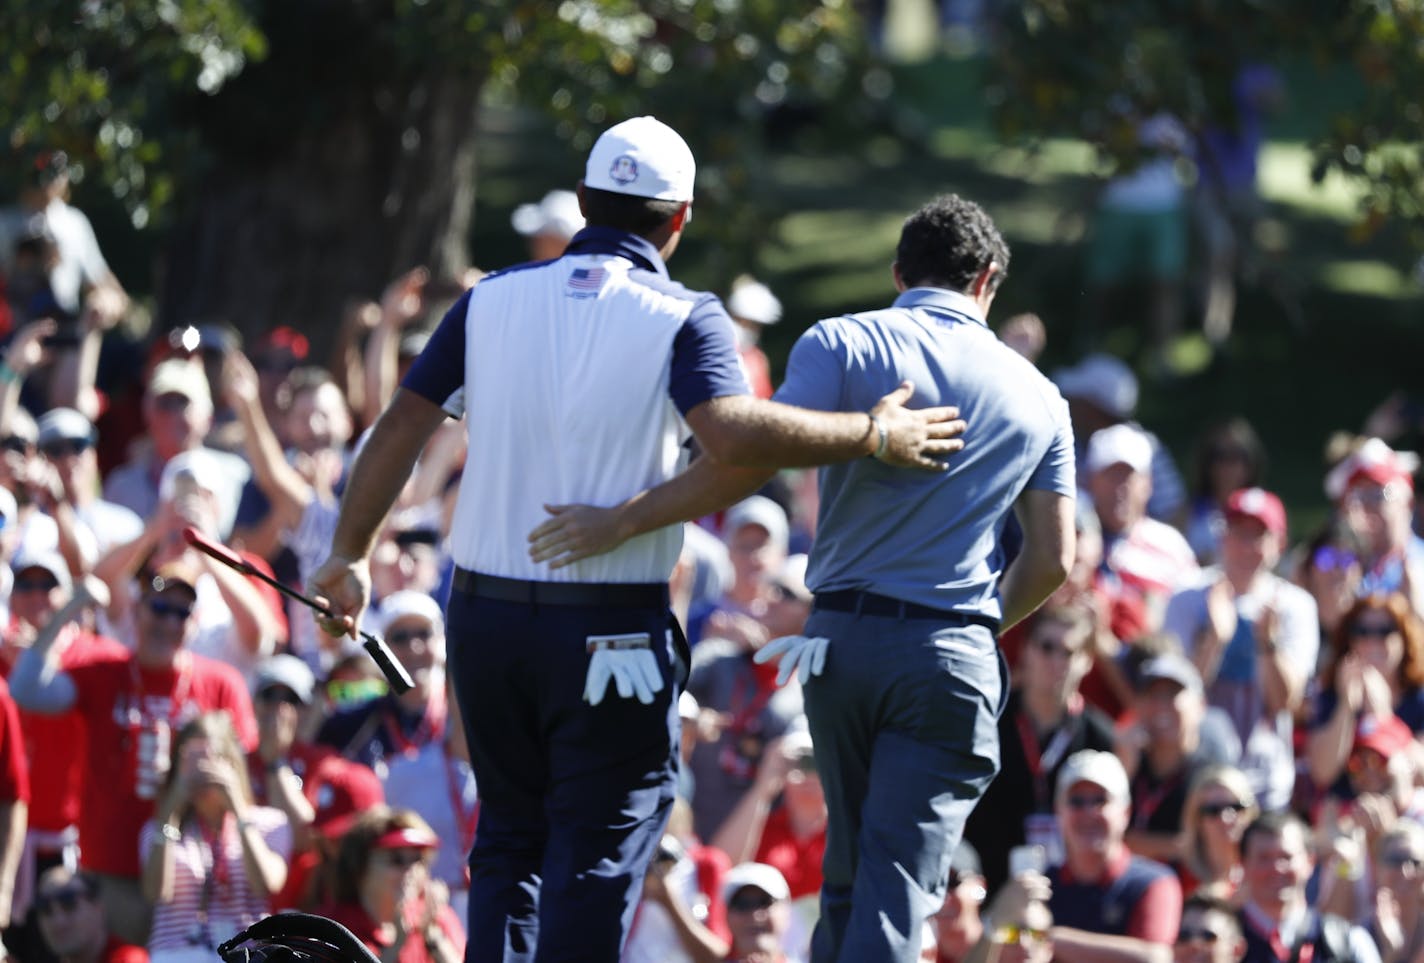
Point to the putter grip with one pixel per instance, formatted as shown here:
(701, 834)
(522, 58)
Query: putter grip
(217, 550)
(390, 666)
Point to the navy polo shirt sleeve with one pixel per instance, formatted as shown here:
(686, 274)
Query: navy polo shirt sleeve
(815, 371)
(1057, 471)
(704, 358)
(438, 375)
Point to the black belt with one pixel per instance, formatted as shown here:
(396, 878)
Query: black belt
(868, 603)
(623, 595)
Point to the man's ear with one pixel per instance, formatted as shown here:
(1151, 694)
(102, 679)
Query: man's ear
(900, 284)
(683, 217)
(985, 281)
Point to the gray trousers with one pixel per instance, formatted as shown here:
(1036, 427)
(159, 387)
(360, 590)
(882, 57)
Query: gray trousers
(905, 724)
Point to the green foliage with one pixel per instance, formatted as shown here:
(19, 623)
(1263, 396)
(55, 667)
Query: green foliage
(97, 78)
(142, 89)
(1083, 69)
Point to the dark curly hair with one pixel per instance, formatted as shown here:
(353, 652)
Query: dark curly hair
(947, 243)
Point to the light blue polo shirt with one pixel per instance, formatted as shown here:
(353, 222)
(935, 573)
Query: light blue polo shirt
(913, 535)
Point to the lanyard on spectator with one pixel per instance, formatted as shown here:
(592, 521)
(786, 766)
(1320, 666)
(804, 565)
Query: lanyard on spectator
(432, 723)
(215, 874)
(1148, 801)
(1305, 954)
(465, 820)
(1041, 762)
(138, 710)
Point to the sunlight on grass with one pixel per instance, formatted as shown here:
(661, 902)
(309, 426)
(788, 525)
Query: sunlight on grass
(1372, 278)
(1284, 170)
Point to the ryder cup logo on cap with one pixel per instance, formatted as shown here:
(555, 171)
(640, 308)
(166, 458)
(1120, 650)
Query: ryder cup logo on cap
(642, 157)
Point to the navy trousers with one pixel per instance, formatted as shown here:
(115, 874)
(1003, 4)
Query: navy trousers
(573, 798)
(905, 723)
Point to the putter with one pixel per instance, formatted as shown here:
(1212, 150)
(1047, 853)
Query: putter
(395, 673)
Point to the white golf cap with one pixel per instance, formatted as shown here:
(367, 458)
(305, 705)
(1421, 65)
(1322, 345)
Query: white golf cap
(642, 157)
(407, 603)
(1097, 767)
(1120, 444)
(753, 301)
(558, 213)
(766, 878)
(1102, 380)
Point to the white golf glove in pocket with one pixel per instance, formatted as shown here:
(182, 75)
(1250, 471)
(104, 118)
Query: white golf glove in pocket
(800, 654)
(625, 660)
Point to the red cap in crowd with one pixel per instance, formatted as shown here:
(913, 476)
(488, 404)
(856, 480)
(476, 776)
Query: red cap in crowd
(1260, 505)
(1385, 735)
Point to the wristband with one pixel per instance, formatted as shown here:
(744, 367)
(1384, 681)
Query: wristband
(884, 436)
(171, 832)
(9, 374)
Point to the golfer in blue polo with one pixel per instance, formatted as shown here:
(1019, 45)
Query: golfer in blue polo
(903, 677)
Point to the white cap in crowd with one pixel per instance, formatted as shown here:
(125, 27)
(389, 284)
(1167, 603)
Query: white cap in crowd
(1099, 768)
(1120, 445)
(757, 510)
(642, 157)
(46, 560)
(558, 213)
(406, 603)
(177, 376)
(1101, 380)
(766, 878)
(288, 671)
(753, 301)
(64, 424)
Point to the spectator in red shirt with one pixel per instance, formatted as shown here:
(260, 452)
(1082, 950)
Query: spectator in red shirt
(72, 921)
(54, 745)
(1104, 899)
(781, 819)
(385, 894)
(14, 800)
(132, 705)
(300, 778)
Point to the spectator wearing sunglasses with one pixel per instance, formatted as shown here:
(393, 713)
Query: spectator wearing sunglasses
(385, 894)
(1210, 932)
(1219, 806)
(23, 474)
(1254, 638)
(758, 914)
(1045, 721)
(66, 441)
(240, 620)
(378, 731)
(310, 783)
(1107, 903)
(71, 921)
(177, 414)
(1397, 919)
(1174, 738)
(1375, 667)
(132, 705)
(1329, 569)
(42, 585)
(1374, 489)
(212, 857)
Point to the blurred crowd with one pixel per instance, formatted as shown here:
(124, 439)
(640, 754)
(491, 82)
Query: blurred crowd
(1211, 750)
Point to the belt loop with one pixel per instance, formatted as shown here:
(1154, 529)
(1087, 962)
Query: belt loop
(859, 603)
(901, 613)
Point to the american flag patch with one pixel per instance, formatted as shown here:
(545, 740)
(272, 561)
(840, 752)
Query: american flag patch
(585, 282)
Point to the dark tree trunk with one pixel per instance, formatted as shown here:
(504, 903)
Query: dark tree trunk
(291, 229)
